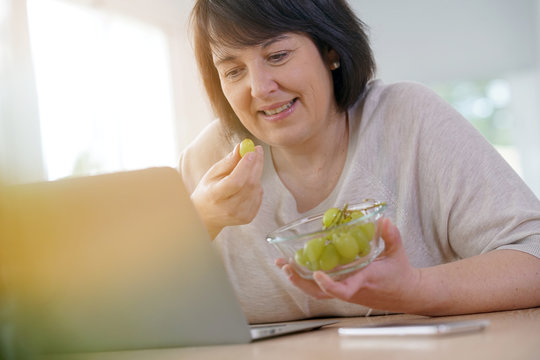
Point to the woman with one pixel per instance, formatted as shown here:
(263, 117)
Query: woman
(296, 77)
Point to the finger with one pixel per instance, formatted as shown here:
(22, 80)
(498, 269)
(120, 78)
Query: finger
(254, 183)
(226, 165)
(308, 286)
(341, 290)
(391, 236)
(257, 170)
(281, 262)
(250, 166)
(244, 177)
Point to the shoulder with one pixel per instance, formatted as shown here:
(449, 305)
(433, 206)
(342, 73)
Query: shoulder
(210, 146)
(403, 96)
(405, 108)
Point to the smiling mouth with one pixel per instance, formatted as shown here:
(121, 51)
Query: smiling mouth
(279, 109)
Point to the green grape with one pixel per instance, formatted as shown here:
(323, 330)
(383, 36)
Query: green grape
(362, 240)
(346, 245)
(313, 266)
(345, 218)
(246, 146)
(338, 248)
(355, 214)
(368, 229)
(345, 261)
(329, 258)
(330, 217)
(300, 258)
(358, 234)
(364, 249)
(363, 234)
(313, 249)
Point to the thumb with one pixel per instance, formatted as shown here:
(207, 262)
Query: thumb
(224, 166)
(391, 236)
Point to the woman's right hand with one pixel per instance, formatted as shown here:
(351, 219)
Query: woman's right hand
(230, 193)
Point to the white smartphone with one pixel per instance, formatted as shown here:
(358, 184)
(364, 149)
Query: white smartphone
(416, 328)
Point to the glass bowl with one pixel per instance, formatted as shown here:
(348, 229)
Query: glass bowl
(350, 241)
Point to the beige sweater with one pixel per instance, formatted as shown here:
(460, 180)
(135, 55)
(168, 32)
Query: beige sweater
(449, 192)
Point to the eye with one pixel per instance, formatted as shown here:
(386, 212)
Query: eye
(278, 57)
(233, 74)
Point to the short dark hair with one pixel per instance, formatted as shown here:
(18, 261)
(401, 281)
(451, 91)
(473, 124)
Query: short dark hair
(331, 24)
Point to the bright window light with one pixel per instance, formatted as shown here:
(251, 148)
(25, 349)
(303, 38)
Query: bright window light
(104, 89)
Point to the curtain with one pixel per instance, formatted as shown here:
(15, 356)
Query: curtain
(20, 146)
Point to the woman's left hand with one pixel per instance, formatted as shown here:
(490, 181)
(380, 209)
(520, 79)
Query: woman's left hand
(388, 283)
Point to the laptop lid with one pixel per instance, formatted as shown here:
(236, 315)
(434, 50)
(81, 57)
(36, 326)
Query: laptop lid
(264, 331)
(113, 262)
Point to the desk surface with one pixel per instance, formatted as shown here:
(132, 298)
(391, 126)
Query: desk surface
(511, 335)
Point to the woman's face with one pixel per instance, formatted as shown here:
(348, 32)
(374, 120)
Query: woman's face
(282, 90)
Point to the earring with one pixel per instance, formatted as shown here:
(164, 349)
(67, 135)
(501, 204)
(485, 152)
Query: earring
(335, 65)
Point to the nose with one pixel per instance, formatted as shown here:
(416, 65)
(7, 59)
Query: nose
(263, 82)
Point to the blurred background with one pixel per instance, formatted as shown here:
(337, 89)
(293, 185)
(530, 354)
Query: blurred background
(94, 86)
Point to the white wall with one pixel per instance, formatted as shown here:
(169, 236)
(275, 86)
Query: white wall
(433, 41)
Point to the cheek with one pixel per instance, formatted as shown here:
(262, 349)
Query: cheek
(321, 92)
(313, 82)
(235, 98)
(240, 103)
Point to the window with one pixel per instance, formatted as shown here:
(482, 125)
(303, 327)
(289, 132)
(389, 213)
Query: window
(104, 90)
(505, 111)
(486, 105)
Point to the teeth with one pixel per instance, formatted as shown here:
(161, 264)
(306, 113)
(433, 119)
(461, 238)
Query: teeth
(279, 109)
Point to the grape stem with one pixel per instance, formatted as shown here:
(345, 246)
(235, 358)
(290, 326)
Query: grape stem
(344, 213)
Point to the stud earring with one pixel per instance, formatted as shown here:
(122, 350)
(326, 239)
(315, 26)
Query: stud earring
(335, 65)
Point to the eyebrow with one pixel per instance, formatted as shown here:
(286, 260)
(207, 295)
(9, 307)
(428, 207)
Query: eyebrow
(229, 57)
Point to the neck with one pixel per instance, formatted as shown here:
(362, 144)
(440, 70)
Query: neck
(316, 151)
(312, 169)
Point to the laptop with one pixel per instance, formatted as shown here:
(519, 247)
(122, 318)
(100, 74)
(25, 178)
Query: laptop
(118, 261)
